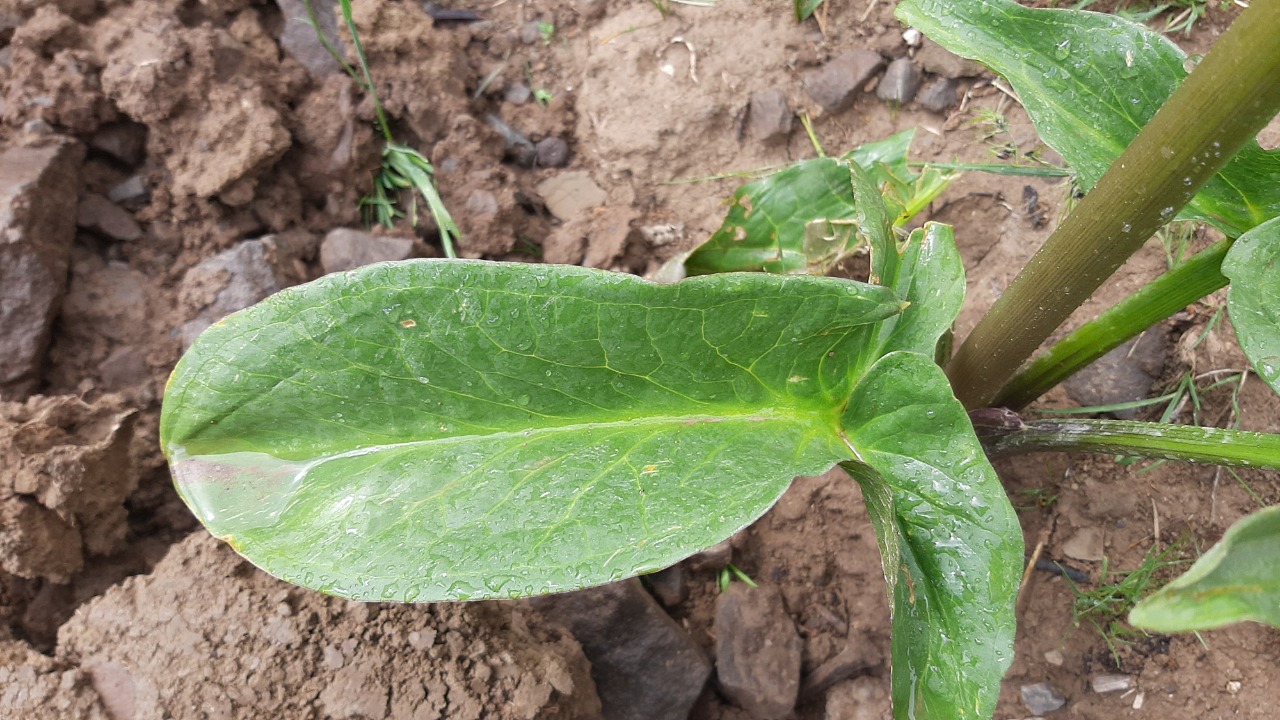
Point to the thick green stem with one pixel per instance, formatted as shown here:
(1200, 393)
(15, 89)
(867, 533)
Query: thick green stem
(1143, 439)
(1161, 298)
(1227, 99)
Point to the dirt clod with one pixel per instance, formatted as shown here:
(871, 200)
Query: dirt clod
(835, 85)
(757, 651)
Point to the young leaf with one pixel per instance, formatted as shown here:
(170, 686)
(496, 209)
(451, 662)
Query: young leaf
(448, 430)
(949, 539)
(1090, 82)
(806, 8)
(802, 219)
(1238, 579)
(1253, 265)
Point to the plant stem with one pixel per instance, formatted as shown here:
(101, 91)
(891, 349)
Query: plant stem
(1229, 97)
(1143, 439)
(1161, 298)
(364, 68)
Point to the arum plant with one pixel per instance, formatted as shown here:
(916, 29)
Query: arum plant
(459, 430)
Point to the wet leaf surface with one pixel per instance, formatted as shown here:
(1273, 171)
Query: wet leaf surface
(1253, 299)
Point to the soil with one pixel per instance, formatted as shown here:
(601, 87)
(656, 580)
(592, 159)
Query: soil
(197, 131)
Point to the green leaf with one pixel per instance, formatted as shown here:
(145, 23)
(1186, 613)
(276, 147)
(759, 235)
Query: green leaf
(1090, 82)
(949, 539)
(806, 8)
(1238, 579)
(448, 430)
(803, 218)
(1253, 266)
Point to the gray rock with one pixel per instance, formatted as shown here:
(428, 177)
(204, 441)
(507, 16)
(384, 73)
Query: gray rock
(758, 651)
(669, 585)
(229, 281)
(864, 698)
(569, 194)
(768, 117)
(713, 559)
(835, 85)
(347, 249)
(900, 82)
(933, 58)
(1125, 374)
(125, 141)
(100, 215)
(645, 666)
(938, 96)
(1041, 698)
(298, 37)
(38, 191)
(531, 32)
(552, 152)
(517, 94)
(135, 188)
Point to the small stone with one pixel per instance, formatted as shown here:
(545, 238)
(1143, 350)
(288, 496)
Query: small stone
(347, 249)
(713, 559)
(853, 660)
(668, 585)
(569, 194)
(232, 280)
(768, 117)
(517, 94)
(863, 698)
(1041, 698)
(552, 152)
(135, 188)
(758, 651)
(482, 202)
(912, 37)
(900, 82)
(1055, 658)
(104, 217)
(1086, 544)
(530, 32)
(938, 96)
(1110, 683)
(1125, 374)
(298, 37)
(834, 85)
(662, 234)
(124, 141)
(1234, 686)
(935, 59)
(645, 666)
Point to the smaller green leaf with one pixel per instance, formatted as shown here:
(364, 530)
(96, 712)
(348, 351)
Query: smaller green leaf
(949, 539)
(1253, 266)
(1237, 580)
(806, 8)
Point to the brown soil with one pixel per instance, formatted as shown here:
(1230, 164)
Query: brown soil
(115, 605)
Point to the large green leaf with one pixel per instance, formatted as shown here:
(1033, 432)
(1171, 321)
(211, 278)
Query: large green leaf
(1238, 579)
(445, 430)
(949, 539)
(1253, 266)
(1090, 82)
(803, 218)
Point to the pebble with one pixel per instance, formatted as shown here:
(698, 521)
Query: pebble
(570, 194)
(552, 152)
(1110, 683)
(669, 585)
(98, 214)
(347, 249)
(834, 85)
(1125, 374)
(1086, 544)
(768, 117)
(232, 280)
(936, 59)
(530, 32)
(1041, 698)
(758, 651)
(646, 667)
(135, 188)
(124, 141)
(900, 82)
(938, 96)
(38, 194)
(713, 559)
(517, 93)
(298, 37)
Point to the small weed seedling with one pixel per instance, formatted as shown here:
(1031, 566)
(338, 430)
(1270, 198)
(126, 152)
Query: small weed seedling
(457, 430)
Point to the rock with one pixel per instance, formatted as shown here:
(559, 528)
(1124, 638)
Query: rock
(1125, 374)
(570, 194)
(38, 191)
(135, 188)
(67, 474)
(668, 586)
(347, 249)
(530, 32)
(552, 152)
(713, 559)
(758, 651)
(1041, 698)
(517, 94)
(935, 59)
(900, 82)
(100, 215)
(1110, 683)
(768, 117)
(645, 666)
(1086, 544)
(854, 659)
(938, 96)
(864, 698)
(834, 85)
(609, 235)
(229, 281)
(125, 141)
(298, 37)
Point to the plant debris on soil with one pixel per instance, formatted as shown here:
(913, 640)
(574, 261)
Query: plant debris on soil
(166, 162)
